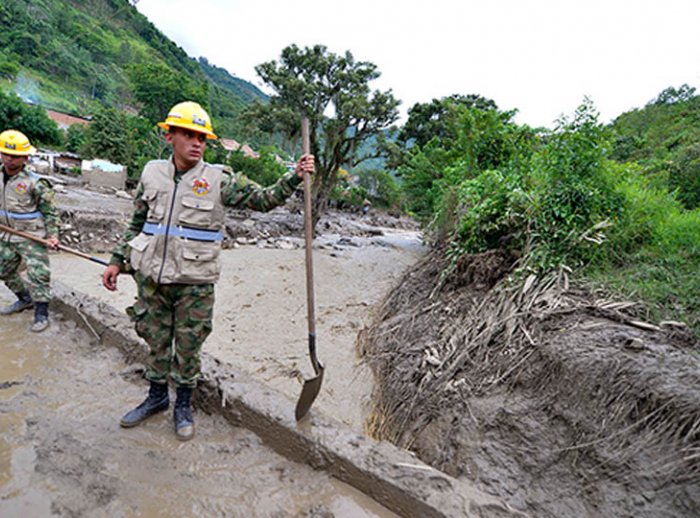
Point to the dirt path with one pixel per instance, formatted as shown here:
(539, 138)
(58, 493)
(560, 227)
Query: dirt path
(62, 452)
(260, 313)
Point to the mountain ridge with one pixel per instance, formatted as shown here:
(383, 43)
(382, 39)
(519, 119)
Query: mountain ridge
(75, 56)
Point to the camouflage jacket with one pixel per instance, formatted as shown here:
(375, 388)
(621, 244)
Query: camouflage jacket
(27, 203)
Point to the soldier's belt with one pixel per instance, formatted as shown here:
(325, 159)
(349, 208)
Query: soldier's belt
(21, 215)
(195, 234)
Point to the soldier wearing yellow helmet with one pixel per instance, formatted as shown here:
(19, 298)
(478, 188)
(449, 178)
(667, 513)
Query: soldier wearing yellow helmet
(26, 204)
(173, 243)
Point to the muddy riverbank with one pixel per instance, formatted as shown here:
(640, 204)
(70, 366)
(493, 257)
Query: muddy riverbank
(561, 401)
(62, 452)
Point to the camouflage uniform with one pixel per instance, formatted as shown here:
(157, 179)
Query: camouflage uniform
(181, 313)
(34, 194)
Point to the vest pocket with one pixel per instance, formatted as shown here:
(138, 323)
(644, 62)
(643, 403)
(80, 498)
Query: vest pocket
(196, 212)
(156, 204)
(200, 261)
(138, 247)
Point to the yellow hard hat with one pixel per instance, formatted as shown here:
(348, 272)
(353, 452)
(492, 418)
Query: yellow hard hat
(13, 142)
(191, 116)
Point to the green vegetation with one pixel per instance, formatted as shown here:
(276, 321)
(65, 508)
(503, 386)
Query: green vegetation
(313, 81)
(558, 198)
(81, 56)
(30, 120)
(663, 139)
(265, 169)
(120, 138)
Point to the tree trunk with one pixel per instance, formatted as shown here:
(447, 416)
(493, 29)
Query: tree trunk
(319, 205)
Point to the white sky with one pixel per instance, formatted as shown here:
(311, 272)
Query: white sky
(538, 56)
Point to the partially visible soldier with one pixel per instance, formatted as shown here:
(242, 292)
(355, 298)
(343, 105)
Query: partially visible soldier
(173, 244)
(26, 204)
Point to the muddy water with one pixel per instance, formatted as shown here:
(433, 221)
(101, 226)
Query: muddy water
(62, 452)
(260, 323)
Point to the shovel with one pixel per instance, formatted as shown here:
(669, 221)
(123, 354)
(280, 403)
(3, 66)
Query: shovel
(44, 242)
(311, 386)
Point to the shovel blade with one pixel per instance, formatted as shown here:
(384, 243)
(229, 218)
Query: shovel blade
(309, 392)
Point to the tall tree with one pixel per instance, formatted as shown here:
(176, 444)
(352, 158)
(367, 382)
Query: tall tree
(333, 92)
(158, 88)
(430, 120)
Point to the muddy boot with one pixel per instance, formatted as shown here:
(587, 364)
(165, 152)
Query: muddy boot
(24, 301)
(41, 317)
(184, 423)
(157, 401)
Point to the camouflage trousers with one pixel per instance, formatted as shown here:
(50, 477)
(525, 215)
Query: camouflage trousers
(174, 319)
(36, 258)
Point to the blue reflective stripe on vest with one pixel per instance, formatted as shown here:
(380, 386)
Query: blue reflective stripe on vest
(22, 215)
(154, 229)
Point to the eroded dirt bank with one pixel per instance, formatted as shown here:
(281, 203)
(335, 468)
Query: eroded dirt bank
(62, 452)
(558, 402)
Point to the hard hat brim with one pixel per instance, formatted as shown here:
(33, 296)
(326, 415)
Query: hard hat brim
(14, 152)
(192, 127)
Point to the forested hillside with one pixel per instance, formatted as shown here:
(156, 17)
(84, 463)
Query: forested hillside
(77, 55)
(664, 139)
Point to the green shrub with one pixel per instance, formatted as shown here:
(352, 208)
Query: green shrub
(75, 137)
(493, 209)
(30, 120)
(265, 169)
(382, 188)
(573, 192)
(684, 177)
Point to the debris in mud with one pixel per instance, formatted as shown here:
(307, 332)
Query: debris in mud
(93, 220)
(8, 384)
(538, 392)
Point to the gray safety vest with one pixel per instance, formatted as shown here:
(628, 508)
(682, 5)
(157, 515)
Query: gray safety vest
(181, 239)
(18, 205)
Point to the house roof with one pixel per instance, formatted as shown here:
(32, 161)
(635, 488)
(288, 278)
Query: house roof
(230, 144)
(64, 120)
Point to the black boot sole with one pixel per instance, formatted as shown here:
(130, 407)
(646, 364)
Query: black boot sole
(131, 424)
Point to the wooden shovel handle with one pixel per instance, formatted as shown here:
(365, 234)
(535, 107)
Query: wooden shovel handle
(44, 242)
(308, 232)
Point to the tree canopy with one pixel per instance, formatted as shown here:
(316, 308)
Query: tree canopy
(434, 119)
(158, 88)
(333, 91)
(30, 120)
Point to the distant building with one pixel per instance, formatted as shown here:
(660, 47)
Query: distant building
(64, 120)
(102, 173)
(48, 162)
(232, 145)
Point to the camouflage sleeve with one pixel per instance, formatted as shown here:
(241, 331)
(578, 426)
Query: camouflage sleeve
(239, 191)
(46, 204)
(121, 252)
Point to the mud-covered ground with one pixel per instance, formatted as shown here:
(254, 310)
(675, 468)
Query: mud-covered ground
(562, 402)
(62, 452)
(260, 312)
(558, 400)
(61, 449)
